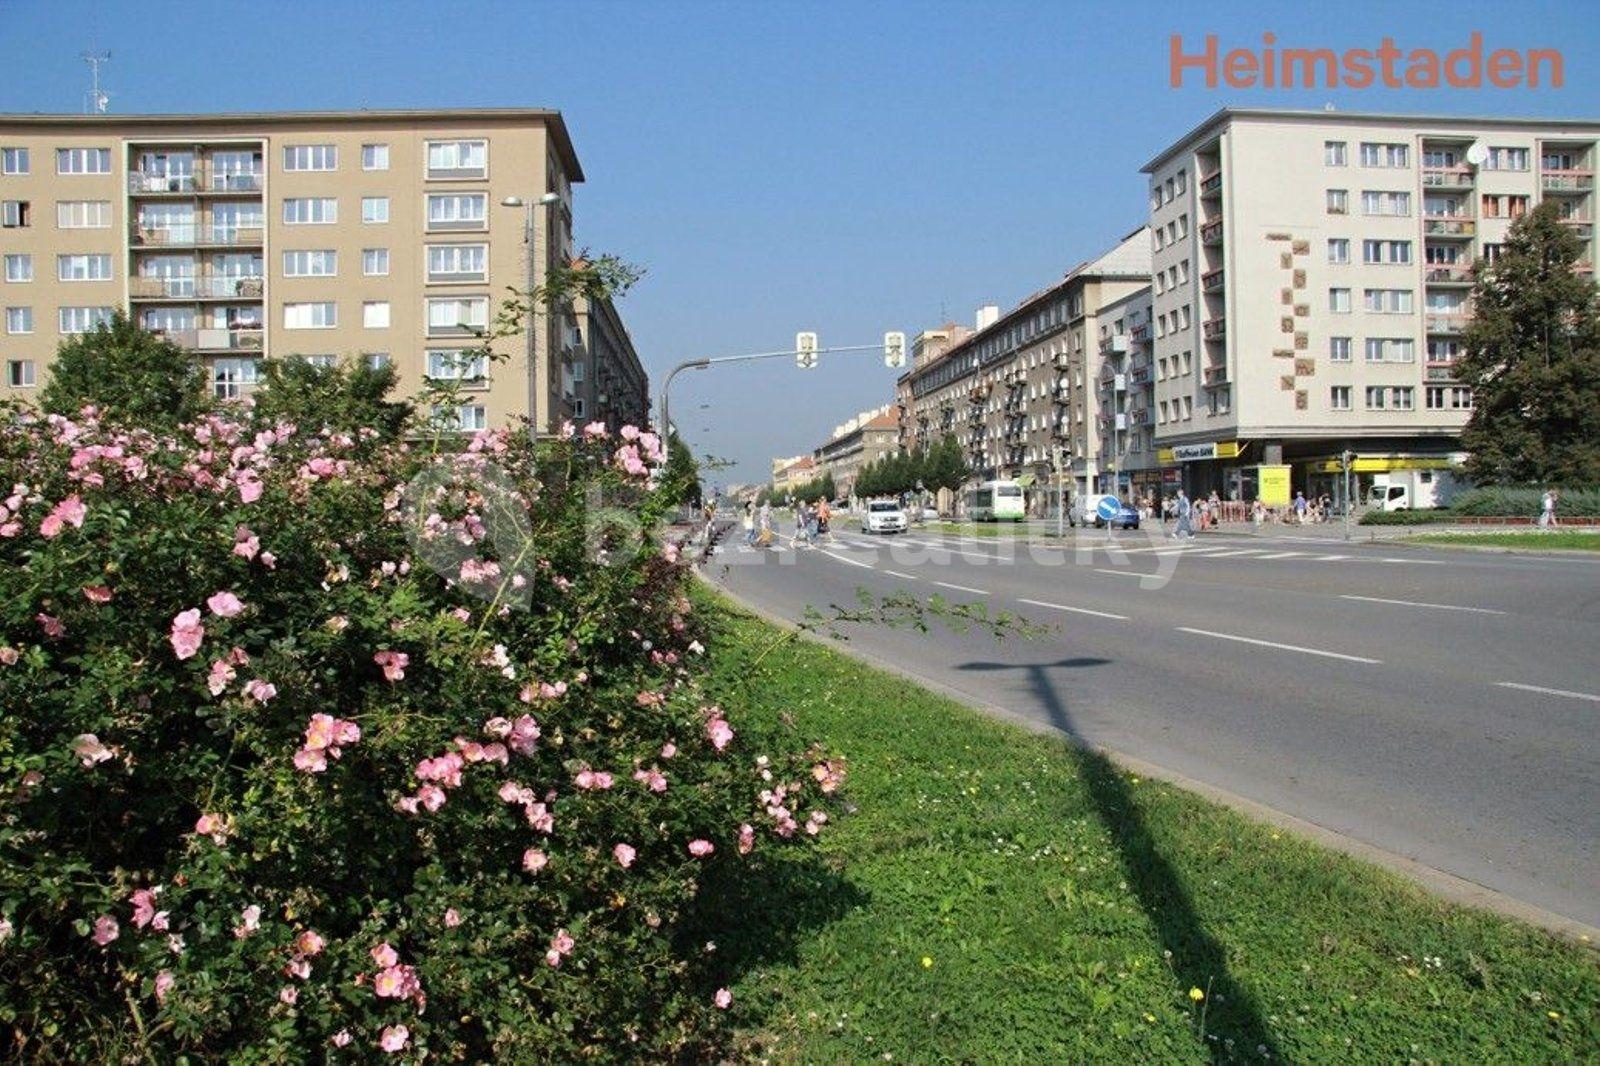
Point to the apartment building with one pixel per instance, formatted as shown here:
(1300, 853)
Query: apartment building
(608, 383)
(1311, 282)
(1020, 391)
(789, 474)
(386, 236)
(866, 438)
(927, 346)
(1125, 387)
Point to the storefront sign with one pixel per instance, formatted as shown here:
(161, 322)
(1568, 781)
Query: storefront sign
(1272, 485)
(1188, 453)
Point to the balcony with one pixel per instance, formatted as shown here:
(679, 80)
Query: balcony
(1139, 416)
(1447, 178)
(195, 236)
(1445, 322)
(239, 339)
(1139, 334)
(1117, 342)
(1449, 226)
(1214, 375)
(1215, 329)
(1567, 181)
(1211, 186)
(202, 181)
(1439, 370)
(1213, 281)
(195, 288)
(1211, 233)
(1447, 274)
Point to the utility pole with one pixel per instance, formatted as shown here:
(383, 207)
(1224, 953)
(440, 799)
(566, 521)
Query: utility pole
(1346, 459)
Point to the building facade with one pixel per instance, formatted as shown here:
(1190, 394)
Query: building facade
(384, 236)
(610, 384)
(864, 439)
(1311, 282)
(1125, 387)
(789, 474)
(1019, 393)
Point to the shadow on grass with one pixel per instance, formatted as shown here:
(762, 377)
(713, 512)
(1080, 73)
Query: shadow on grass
(1198, 959)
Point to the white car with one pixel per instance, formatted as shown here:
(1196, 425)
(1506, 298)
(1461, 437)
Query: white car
(883, 516)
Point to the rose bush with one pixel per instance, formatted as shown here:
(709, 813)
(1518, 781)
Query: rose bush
(317, 746)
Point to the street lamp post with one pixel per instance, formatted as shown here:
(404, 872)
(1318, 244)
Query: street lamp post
(705, 363)
(529, 232)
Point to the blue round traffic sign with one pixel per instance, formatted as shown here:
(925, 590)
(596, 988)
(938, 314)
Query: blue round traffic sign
(1108, 508)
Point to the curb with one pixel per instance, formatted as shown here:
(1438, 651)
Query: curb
(1445, 885)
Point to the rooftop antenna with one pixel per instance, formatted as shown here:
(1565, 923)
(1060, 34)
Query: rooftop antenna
(96, 101)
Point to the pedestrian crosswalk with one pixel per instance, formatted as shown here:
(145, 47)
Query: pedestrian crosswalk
(1117, 548)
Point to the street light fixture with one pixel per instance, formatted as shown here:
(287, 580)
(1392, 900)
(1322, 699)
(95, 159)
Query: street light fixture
(549, 199)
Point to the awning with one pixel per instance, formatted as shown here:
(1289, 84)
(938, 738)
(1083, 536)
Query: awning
(1024, 480)
(1383, 464)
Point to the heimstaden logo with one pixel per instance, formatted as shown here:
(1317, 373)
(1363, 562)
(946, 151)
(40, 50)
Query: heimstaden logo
(1387, 66)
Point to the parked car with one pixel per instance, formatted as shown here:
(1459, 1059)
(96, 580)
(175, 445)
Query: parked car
(1127, 517)
(883, 516)
(1085, 511)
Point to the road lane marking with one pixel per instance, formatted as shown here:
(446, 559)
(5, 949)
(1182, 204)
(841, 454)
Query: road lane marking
(1074, 610)
(1329, 558)
(1237, 551)
(963, 588)
(845, 559)
(1417, 562)
(896, 573)
(1550, 691)
(1282, 647)
(1283, 555)
(1123, 573)
(1413, 603)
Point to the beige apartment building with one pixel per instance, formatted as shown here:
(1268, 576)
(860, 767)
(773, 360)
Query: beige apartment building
(789, 474)
(1020, 391)
(1311, 282)
(1125, 388)
(385, 236)
(866, 438)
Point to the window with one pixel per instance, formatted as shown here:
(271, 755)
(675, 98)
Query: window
(456, 365)
(83, 160)
(1338, 201)
(232, 378)
(1441, 350)
(1403, 397)
(1504, 206)
(320, 264)
(375, 262)
(1394, 204)
(1183, 182)
(458, 262)
(310, 211)
(457, 210)
(83, 267)
(1183, 226)
(457, 316)
(376, 360)
(1167, 191)
(1447, 398)
(374, 157)
(321, 361)
(15, 214)
(83, 319)
(1339, 397)
(374, 209)
(310, 315)
(19, 267)
(83, 214)
(13, 161)
(1376, 395)
(375, 314)
(310, 157)
(1387, 301)
(1334, 153)
(19, 373)
(1391, 350)
(458, 159)
(1338, 250)
(1385, 155)
(19, 320)
(467, 417)
(1339, 349)
(1506, 159)
(1339, 301)
(1387, 253)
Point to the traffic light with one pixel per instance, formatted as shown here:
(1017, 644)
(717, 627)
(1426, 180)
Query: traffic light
(894, 349)
(805, 350)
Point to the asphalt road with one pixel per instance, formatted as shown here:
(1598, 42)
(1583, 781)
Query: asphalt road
(1440, 705)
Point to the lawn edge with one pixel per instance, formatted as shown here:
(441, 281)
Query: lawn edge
(1446, 886)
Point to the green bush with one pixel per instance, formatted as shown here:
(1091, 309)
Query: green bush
(312, 742)
(1407, 518)
(1525, 502)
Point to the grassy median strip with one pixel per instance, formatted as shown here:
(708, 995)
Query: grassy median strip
(1537, 540)
(1002, 896)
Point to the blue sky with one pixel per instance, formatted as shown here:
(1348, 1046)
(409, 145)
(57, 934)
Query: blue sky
(843, 167)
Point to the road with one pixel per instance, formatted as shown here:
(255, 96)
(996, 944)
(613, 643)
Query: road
(1439, 705)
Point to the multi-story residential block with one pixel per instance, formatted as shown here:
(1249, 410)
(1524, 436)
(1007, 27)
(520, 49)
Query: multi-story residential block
(388, 236)
(608, 382)
(1019, 392)
(1126, 389)
(789, 474)
(866, 438)
(925, 348)
(1311, 282)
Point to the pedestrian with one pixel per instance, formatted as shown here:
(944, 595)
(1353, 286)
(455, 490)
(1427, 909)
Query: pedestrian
(1300, 507)
(1547, 509)
(813, 523)
(750, 522)
(1258, 513)
(824, 516)
(764, 537)
(1184, 510)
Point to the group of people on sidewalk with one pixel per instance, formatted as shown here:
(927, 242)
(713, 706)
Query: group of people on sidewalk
(811, 523)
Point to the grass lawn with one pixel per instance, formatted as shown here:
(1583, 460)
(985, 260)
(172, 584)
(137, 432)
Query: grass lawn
(979, 529)
(1000, 896)
(1535, 539)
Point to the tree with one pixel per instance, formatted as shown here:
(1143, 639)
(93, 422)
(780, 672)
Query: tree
(131, 375)
(681, 479)
(1532, 357)
(345, 398)
(946, 466)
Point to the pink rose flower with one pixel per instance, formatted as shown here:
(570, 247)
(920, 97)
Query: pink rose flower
(310, 760)
(452, 918)
(187, 633)
(97, 593)
(105, 930)
(624, 854)
(700, 848)
(213, 826)
(747, 839)
(144, 907)
(249, 921)
(385, 955)
(309, 943)
(394, 1038)
(719, 733)
(225, 605)
(69, 512)
(723, 999)
(534, 860)
(394, 664)
(289, 994)
(341, 1038)
(259, 690)
(89, 750)
(164, 983)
